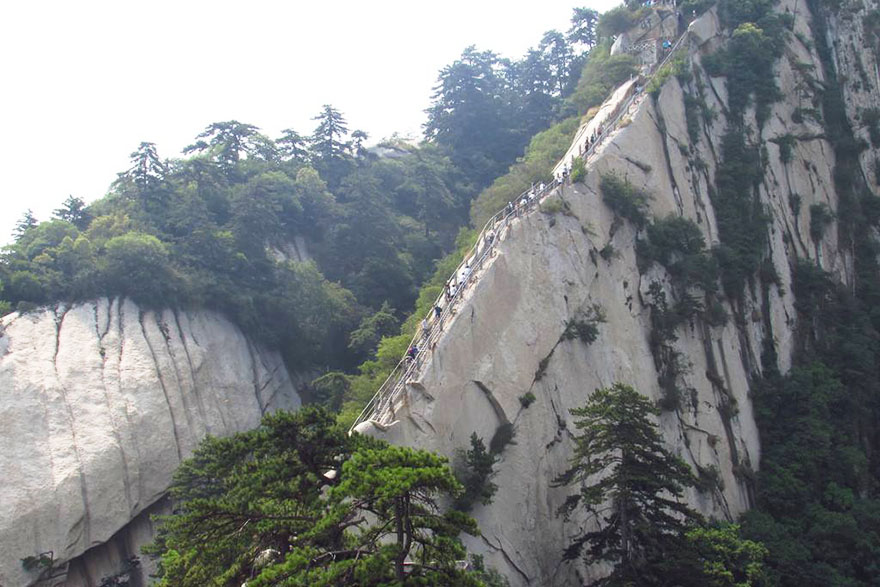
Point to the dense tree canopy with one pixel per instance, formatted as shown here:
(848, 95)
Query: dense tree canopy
(297, 502)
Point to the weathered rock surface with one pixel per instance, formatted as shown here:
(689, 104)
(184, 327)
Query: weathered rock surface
(100, 403)
(506, 338)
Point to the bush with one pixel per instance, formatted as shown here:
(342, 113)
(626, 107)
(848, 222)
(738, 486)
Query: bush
(601, 74)
(786, 147)
(527, 399)
(585, 326)
(742, 222)
(556, 205)
(617, 20)
(139, 265)
(578, 170)
(624, 199)
(821, 217)
(677, 243)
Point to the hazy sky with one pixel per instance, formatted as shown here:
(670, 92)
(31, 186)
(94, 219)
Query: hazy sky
(83, 83)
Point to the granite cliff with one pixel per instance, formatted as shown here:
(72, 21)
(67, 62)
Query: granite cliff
(550, 268)
(101, 401)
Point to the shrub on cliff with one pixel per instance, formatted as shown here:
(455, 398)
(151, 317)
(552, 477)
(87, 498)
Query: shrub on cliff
(624, 199)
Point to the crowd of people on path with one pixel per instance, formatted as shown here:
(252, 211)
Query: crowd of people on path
(514, 209)
(464, 275)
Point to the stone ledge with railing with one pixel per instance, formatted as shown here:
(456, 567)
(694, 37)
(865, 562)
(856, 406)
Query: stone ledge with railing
(380, 411)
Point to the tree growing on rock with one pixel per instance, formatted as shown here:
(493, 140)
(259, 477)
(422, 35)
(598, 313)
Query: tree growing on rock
(297, 502)
(632, 487)
(629, 484)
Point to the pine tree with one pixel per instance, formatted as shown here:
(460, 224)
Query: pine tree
(73, 210)
(27, 222)
(292, 146)
(328, 146)
(299, 503)
(631, 487)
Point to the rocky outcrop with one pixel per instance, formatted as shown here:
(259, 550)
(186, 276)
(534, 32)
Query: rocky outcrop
(100, 403)
(506, 338)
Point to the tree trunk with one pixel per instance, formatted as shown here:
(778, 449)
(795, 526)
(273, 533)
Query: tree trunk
(401, 551)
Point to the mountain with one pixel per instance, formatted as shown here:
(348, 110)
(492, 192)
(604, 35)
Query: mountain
(719, 241)
(101, 402)
(758, 179)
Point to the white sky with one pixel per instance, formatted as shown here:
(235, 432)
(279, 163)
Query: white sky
(84, 82)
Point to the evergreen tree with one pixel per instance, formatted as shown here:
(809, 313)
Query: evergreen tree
(477, 474)
(27, 222)
(227, 142)
(299, 503)
(472, 115)
(73, 210)
(147, 170)
(558, 54)
(583, 27)
(358, 139)
(328, 146)
(292, 146)
(630, 486)
(327, 140)
(244, 501)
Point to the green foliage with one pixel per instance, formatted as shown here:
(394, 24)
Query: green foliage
(693, 107)
(372, 328)
(759, 37)
(624, 199)
(677, 243)
(40, 562)
(217, 230)
(645, 525)
(578, 170)
(678, 66)
(527, 399)
(632, 487)
(73, 210)
(472, 115)
(489, 576)
(618, 20)
(556, 205)
(786, 146)
(330, 390)
(601, 74)
(123, 577)
(476, 475)
(742, 222)
(725, 558)
(261, 507)
(139, 266)
(542, 153)
(584, 326)
(821, 217)
(816, 513)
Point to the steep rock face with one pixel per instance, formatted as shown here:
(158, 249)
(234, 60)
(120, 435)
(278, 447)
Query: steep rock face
(101, 401)
(506, 338)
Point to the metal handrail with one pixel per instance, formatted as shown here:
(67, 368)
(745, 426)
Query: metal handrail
(474, 259)
(395, 383)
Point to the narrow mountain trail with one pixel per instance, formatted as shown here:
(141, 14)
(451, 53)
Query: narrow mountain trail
(620, 106)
